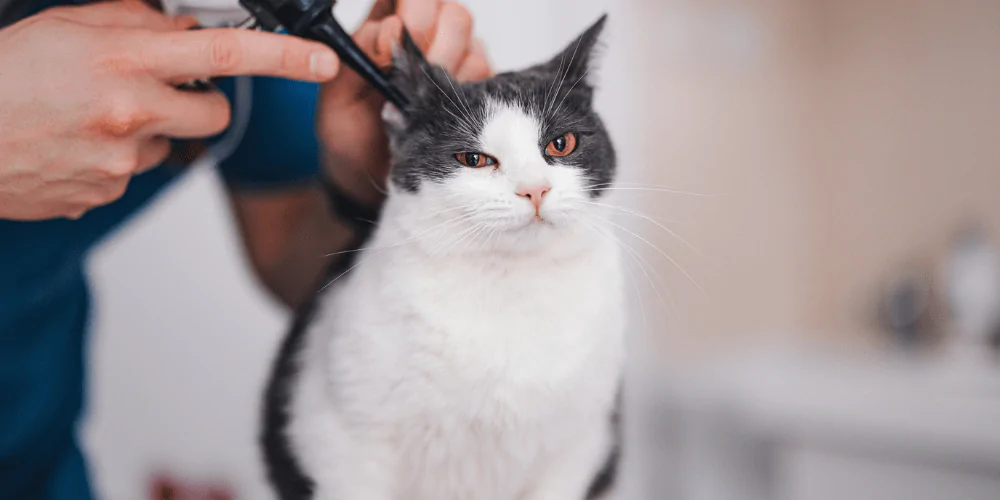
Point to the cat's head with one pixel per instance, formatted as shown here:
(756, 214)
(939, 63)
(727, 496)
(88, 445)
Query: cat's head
(520, 157)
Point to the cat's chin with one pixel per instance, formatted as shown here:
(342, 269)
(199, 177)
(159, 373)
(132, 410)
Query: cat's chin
(535, 227)
(554, 220)
(535, 236)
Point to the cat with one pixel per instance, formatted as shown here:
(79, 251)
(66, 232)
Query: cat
(474, 350)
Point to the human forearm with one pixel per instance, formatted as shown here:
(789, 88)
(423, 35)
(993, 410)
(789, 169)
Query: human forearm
(289, 236)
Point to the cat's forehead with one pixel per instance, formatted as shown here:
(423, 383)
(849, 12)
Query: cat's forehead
(510, 130)
(511, 115)
(464, 109)
(533, 91)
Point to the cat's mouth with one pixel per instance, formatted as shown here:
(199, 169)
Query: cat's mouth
(537, 223)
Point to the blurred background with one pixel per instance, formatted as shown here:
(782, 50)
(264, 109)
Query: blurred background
(810, 203)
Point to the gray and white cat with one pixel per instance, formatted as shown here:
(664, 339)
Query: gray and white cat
(474, 350)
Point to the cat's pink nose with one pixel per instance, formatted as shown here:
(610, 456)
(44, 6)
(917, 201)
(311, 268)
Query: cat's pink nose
(534, 194)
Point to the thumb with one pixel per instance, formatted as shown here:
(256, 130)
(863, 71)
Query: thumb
(377, 39)
(382, 9)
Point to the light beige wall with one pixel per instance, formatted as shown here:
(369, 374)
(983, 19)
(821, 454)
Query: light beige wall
(911, 138)
(839, 139)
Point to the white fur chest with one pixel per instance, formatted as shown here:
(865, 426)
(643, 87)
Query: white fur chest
(468, 384)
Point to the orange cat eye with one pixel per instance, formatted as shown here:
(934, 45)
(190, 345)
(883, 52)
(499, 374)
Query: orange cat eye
(475, 160)
(562, 145)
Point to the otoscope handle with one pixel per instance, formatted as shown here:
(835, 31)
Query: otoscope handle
(313, 19)
(332, 34)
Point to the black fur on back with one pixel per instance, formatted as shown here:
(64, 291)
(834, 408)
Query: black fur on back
(283, 470)
(606, 477)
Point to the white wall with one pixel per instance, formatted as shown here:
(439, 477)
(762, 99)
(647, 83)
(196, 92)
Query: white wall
(183, 336)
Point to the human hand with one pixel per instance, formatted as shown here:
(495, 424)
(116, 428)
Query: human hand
(88, 97)
(349, 114)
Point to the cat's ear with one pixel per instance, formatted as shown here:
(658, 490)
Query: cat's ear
(574, 63)
(410, 70)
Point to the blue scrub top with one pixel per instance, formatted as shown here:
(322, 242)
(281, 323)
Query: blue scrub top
(45, 303)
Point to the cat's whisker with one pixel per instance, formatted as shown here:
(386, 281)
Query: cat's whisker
(649, 219)
(449, 239)
(370, 257)
(454, 240)
(344, 252)
(484, 227)
(644, 264)
(462, 125)
(596, 184)
(660, 220)
(371, 179)
(655, 190)
(461, 98)
(486, 241)
(464, 236)
(467, 110)
(466, 125)
(642, 305)
(451, 222)
(446, 210)
(442, 225)
(568, 92)
(476, 235)
(484, 236)
(471, 233)
(380, 251)
(565, 74)
(555, 78)
(661, 252)
(666, 289)
(635, 284)
(497, 231)
(404, 242)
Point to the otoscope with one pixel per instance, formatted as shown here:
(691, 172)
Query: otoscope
(313, 19)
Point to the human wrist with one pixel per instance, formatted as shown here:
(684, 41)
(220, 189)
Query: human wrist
(358, 184)
(354, 199)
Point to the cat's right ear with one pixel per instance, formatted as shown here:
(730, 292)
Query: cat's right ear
(392, 117)
(411, 73)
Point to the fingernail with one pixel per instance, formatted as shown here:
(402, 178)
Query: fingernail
(323, 65)
(187, 22)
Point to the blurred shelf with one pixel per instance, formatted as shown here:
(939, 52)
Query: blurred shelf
(745, 426)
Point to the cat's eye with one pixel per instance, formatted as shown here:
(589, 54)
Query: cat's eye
(562, 145)
(475, 160)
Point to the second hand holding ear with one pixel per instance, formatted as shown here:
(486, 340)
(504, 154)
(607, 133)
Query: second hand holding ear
(350, 125)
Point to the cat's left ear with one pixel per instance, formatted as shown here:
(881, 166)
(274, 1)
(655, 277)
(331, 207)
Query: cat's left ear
(577, 59)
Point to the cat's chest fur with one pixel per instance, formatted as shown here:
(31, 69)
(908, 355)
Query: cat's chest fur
(471, 370)
(510, 323)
